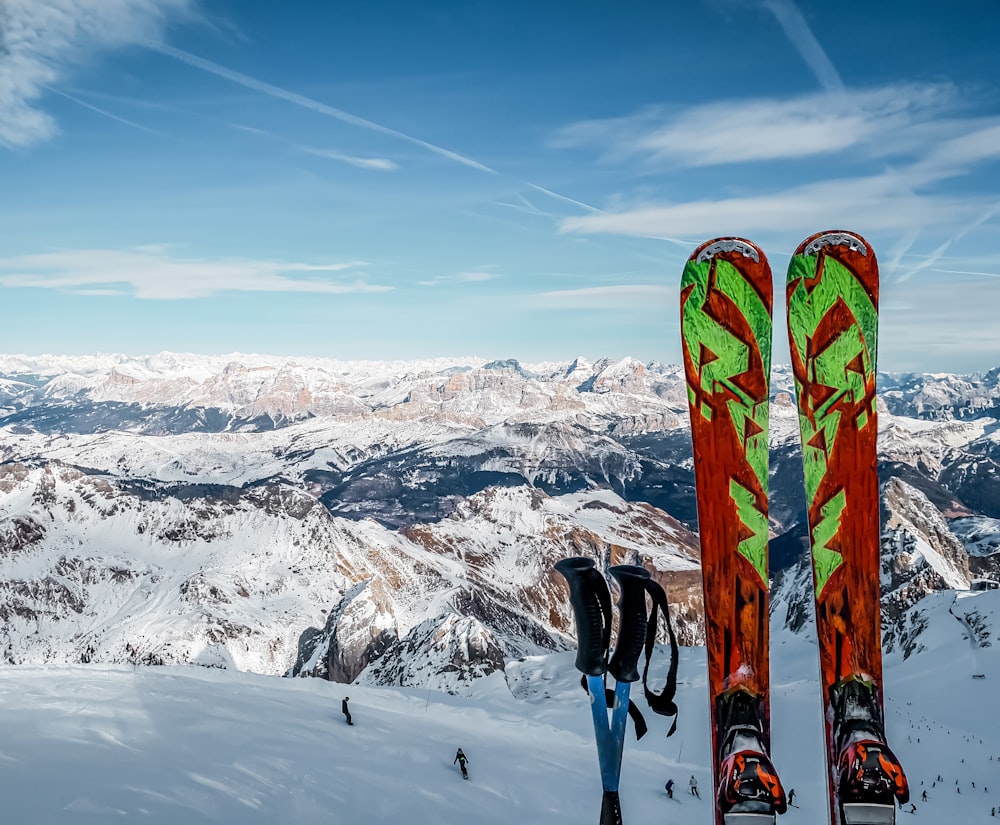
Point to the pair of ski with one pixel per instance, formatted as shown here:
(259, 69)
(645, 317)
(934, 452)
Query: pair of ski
(832, 301)
(591, 602)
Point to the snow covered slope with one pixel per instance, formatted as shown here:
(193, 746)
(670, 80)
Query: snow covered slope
(164, 745)
(95, 569)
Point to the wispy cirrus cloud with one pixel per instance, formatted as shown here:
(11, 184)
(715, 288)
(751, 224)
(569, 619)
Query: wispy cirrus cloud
(619, 296)
(939, 253)
(380, 164)
(151, 272)
(879, 202)
(917, 132)
(762, 129)
(41, 41)
(459, 278)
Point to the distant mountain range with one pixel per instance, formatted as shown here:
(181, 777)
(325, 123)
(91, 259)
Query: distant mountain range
(397, 522)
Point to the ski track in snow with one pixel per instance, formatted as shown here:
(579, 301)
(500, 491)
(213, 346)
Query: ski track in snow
(97, 744)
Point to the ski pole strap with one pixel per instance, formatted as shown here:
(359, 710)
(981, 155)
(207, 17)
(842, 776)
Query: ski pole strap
(662, 702)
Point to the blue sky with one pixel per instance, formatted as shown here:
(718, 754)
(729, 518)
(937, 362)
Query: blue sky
(515, 179)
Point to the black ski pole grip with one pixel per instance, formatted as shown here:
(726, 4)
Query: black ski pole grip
(632, 621)
(591, 601)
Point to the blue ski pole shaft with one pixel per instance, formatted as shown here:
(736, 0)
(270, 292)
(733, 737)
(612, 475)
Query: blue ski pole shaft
(610, 742)
(619, 716)
(605, 747)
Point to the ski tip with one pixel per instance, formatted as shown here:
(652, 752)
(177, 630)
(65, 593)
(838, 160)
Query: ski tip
(728, 247)
(745, 257)
(839, 239)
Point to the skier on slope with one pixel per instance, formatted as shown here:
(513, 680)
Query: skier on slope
(669, 788)
(462, 759)
(345, 710)
(693, 785)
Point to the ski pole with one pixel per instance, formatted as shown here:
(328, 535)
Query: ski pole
(632, 624)
(591, 602)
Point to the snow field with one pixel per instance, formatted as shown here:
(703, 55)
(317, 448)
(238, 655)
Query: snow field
(98, 744)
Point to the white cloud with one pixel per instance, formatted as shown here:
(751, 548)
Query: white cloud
(973, 142)
(905, 198)
(606, 297)
(381, 164)
(757, 129)
(150, 272)
(41, 40)
(459, 278)
(882, 202)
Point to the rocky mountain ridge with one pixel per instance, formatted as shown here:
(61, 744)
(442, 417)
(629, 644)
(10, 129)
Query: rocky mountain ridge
(397, 522)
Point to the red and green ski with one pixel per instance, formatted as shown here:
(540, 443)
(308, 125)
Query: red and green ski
(726, 299)
(832, 294)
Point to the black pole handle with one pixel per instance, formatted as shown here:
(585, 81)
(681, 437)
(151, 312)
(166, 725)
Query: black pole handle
(591, 601)
(632, 621)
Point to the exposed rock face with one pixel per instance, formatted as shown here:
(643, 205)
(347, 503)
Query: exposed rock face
(96, 569)
(449, 651)
(511, 538)
(981, 537)
(920, 555)
(358, 631)
(906, 509)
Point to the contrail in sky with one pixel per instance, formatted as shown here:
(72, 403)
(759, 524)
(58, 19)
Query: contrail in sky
(100, 111)
(801, 37)
(308, 103)
(938, 253)
(339, 114)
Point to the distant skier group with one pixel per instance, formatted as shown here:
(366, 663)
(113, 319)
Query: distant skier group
(460, 756)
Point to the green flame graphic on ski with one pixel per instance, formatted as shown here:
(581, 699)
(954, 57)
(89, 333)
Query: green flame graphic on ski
(720, 358)
(845, 368)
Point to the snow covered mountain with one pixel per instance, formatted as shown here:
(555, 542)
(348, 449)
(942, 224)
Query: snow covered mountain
(397, 522)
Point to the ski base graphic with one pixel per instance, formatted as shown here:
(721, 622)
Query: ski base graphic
(832, 300)
(726, 301)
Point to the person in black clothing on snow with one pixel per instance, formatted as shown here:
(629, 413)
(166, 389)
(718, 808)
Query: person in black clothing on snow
(345, 710)
(461, 758)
